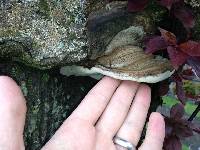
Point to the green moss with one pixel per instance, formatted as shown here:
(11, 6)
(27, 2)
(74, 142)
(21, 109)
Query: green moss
(15, 72)
(185, 147)
(189, 107)
(155, 11)
(192, 87)
(196, 30)
(9, 32)
(45, 77)
(44, 8)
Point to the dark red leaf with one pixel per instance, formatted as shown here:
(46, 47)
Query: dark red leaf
(172, 143)
(192, 77)
(185, 15)
(163, 88)
(183, 129)
(185, 133)
(177, 111)
(191, 48)
(179, 86)
(194, 62)
(176, 77)
(196, 129)
(166, 3)
(155, 44)
(180, 92)
(136, 5)
(169, 37)
(192, 96)
(177, 57)
(179, 127)
(188, 74)
(168, 127)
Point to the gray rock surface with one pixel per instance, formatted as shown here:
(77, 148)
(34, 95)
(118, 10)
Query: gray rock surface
(42, 32)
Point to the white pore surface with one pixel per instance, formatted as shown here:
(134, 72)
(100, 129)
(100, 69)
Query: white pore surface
(95, 72)
(124, 76)
(79, 71)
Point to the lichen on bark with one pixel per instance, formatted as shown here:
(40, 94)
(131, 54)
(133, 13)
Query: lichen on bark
(50, 99)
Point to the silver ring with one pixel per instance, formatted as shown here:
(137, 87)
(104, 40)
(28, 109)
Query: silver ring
(123, 143)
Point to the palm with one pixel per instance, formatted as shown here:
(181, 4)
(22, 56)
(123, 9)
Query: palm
(111, 108)
(85, 137)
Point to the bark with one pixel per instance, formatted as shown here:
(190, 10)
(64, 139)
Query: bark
(50, 99)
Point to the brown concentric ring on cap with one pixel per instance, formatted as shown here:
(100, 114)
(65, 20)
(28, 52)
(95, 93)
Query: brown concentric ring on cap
(131, 63)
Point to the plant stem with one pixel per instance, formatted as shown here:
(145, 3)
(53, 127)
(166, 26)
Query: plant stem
(194, 113)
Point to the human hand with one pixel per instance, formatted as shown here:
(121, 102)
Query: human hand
(111, 108)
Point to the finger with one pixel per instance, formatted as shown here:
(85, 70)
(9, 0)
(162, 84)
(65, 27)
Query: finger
(133, 125)
(155, 133)
(96, 100)
(116, 111)
(12, 115)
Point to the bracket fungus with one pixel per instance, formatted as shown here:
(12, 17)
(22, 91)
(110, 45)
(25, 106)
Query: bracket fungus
(126, 62)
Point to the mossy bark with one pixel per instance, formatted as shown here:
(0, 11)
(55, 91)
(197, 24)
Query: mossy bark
(50, 99)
